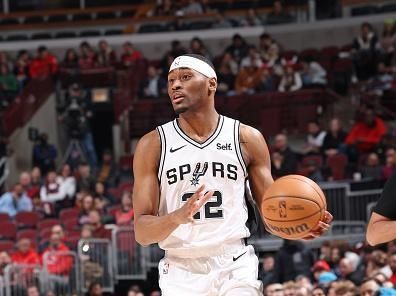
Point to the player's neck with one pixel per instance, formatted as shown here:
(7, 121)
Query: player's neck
(199, 125)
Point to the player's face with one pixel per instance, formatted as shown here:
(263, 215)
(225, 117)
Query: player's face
(187, 89)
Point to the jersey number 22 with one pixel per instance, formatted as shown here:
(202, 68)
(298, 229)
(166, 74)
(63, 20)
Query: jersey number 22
(212, 208)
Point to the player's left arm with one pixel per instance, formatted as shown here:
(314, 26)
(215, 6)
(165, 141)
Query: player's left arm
(258, 162)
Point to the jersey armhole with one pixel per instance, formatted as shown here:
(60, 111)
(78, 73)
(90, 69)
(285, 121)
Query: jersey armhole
(238, 150)
(161, 134)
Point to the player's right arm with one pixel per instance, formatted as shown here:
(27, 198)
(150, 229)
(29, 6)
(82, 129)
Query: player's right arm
(151, 228)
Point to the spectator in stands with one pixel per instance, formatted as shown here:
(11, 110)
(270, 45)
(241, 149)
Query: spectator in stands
(26, 182)
(226, 80)
(269, 49)
(52, 191)
(165, 7)
(372, 169)
(334, 138)
(315, 138)
(5, 260)
(102, 200)
(289, 288)
(348, 271)
(99, 231)
(4, 59)
(44, 65)
(57, 229)
(227, 59)
(388, 40)
(86, 232)
(274, 289)
(266, 272)
(369, 287)
(365, 52)
(313, 74)
(108, 170)
(318, 268)
(44, 154)
(247, 80)
(267, 81)
(8, 83)
(253, 58)
(197, 46)
(106, 55)
(390, 164)
(192, 7)
(15, 201)
(32, 290)
(392, 265)
(87, 205)
(88, 57)
(318, 291)
(85, 180)
(67, 183)
(95, 289)
(251, 19)
(365, 135)
(313, 171)
(70, 60)
(278, 15)
(292, 259)
(287, 163)
(59, 265)
(25, 254)
(154, 86)
(21, 69)
(221, 22)
(345, 288)
(130, 54)
(238, 49)
(290, 79)
(124, 216)
(176, 50)
(377, 263)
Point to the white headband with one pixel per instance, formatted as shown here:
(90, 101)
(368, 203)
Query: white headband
(195, 64)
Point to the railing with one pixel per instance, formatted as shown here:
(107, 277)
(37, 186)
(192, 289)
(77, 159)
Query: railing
(96, 263)
(4, 171)
(18, 277)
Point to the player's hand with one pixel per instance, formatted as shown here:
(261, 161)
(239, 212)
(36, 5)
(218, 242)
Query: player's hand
(322, 227)
(186, 213)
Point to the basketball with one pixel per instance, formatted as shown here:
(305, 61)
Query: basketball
(293, 206)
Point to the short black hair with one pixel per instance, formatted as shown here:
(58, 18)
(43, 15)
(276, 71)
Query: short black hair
(200, 57)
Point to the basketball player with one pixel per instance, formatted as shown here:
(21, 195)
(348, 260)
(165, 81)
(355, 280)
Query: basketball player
(189, 191)
(382, 224)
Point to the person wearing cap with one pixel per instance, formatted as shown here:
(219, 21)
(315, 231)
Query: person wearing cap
(320, 267)
(189, 190)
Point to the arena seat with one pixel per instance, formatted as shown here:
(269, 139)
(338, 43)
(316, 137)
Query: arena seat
(65, 214)
(7, 246)
(71, 224)
(113, 32)
(309, 52)
(364, 10)
(82, 17)
(337, 164)
(41, 36)
(28, 233)
(47, 223)
(90, 33)
(105, 15)
(4, 217)
(72, 240)
(391, 7)
(35, 19)
(57, 18)
(27, 219)
(45, 233)
(113, 209)
(17, 37)
(9, 21)
(127, 13)
(65, 34)
(8, 230)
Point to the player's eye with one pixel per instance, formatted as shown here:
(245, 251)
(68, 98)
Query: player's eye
(185, 77)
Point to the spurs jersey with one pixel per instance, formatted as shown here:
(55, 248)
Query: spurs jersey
(218, 164)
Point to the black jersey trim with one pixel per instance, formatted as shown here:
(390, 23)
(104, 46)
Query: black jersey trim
(208, 141)
(163, 151)
(237, 145)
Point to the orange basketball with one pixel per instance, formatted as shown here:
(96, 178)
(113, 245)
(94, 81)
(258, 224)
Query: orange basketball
(293, 206)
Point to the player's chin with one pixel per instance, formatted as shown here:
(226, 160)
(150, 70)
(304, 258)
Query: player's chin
(179, 109)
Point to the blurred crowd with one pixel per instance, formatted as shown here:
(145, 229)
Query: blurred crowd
(338, 269)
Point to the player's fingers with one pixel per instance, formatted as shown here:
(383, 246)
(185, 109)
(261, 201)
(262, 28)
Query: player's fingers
(198, 194)
(206, 197)
(328, 217)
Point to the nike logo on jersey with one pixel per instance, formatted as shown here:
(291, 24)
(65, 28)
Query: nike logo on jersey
(236, 258)
(175, 149)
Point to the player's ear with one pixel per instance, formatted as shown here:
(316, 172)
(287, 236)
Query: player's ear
(212, 84)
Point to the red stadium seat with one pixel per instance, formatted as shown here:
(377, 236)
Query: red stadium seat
(72, 240)
(8, 230)
(317, 159)
(4, 217)
(47, 223)
(27, 219)
(337, 164)
(45, 233)
(7, 246)
(71, 224)
(68, 214)
(27, 233)
(309, 52)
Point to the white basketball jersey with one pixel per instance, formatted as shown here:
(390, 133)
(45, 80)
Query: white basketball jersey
(218, 164)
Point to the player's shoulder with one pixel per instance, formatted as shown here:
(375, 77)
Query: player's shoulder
(149, 142)
(248, 132)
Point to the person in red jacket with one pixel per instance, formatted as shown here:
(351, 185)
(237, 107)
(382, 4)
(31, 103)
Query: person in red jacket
(44, 65)
(25, 253)
(55, 257)
(368, 133)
